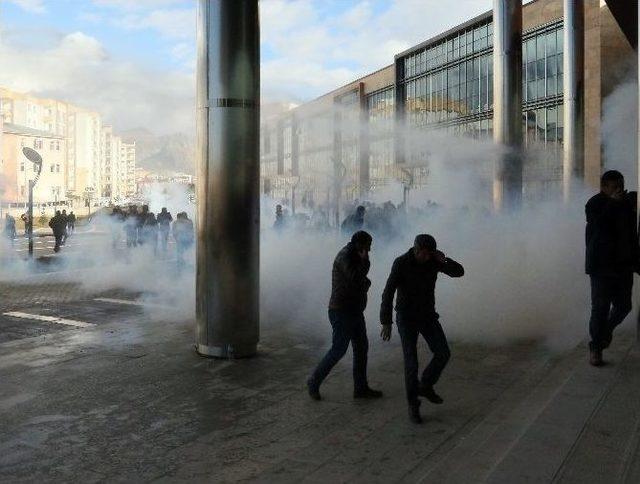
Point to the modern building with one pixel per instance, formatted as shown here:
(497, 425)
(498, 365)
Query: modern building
(84, 152)
(349, 142)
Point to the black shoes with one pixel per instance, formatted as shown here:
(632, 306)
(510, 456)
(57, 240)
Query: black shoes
(367, 393)
(595, 357)
(429, 393)
(414, 413)
(314, 391)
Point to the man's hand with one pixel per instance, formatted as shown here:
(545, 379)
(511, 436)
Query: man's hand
(439, 256)
(386, 332)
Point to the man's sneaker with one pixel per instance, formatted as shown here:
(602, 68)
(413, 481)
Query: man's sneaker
(414, 413)
(367, 393)
(595, 357)
(314, 391)
(429, 393)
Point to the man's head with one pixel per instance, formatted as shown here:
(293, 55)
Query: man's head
(360, 210)
(58, 212)
(612, 183)
(64, 212)
(361, 240)
(164, 209)
(423, 247)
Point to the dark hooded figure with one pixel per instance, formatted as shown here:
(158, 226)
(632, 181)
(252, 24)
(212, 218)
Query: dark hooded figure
(354, 222)
(164, 226)
(414, 276)
(611, 258)
(150, 231)
(349, 287)
(58, 224)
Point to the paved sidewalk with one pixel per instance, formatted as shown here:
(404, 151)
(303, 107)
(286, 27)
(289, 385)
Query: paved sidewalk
(127, 400)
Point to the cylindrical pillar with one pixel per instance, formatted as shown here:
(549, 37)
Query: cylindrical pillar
(573, 81)
(507, 104)
(228, 185)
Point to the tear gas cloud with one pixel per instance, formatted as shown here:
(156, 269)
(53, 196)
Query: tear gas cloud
(524, 271)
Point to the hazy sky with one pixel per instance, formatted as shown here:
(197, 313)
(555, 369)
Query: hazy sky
(133, 60)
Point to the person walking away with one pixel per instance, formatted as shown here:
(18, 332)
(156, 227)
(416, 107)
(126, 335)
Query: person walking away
(349, 287)
(183, 235)
(413, 276)
(142, 218)
(131, 226)
(354, 222)
(72, 223)
(27, 224)
(150, 231)
(65, 222)
(164, 225)
(611, 258)
(58, 225)
(10, 228)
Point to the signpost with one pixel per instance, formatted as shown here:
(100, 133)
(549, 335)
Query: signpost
(34, 157)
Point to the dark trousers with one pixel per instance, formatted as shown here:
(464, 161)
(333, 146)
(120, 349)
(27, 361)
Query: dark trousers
(59, 241)
(432, 332)
(610, 304)
(347, 327)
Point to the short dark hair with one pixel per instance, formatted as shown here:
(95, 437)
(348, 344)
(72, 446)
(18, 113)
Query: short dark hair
(425, 241)
(611, 176)
(361, 238)
(360, 209)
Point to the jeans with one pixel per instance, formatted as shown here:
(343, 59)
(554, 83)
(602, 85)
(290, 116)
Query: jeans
(432, 332)
(610, 304)
(347, 327)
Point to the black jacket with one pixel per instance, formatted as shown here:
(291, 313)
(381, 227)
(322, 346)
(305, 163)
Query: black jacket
(349, 282)
(416, 285)
(611, 236)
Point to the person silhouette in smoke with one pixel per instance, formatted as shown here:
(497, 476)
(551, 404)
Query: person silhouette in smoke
(354, 222)
(349, 287)
(414, 276)
(58, 224)
(611, 257)
(164, 225)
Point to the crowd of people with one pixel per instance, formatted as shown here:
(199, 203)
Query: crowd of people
(385, 221)
(63, 225)
(145, 228)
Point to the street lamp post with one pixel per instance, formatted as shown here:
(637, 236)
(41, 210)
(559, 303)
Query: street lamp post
(34, 157)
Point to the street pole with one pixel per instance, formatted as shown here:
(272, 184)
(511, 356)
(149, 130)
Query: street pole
(30, 217)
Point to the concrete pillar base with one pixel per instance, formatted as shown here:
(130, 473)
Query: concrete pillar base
(227, 351)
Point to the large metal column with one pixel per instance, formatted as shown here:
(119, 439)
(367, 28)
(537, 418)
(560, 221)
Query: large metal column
(507, 109)
(228, 236)
(573, 163)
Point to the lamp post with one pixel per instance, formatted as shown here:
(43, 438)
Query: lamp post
(34, 157)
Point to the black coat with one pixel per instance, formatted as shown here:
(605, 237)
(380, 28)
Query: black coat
(611, 236)
(349, 282)
(415, 283)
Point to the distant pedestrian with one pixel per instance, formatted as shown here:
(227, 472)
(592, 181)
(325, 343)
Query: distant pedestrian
(142, 218)
(58, 225)
(65, 222)
(164, 227)
(10, 228)
(72, 223)
(183, 235)
(353, 222)
(27, 224)
(150, 231)
(131, 226)
(280, 221)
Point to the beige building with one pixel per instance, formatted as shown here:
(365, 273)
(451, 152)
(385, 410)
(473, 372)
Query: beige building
(94, 160)
(128, 169)
(84, 152)
(347, 143)
(16, 170)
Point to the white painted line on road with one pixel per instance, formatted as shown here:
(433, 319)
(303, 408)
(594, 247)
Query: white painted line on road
(49, 319)
(126, 302)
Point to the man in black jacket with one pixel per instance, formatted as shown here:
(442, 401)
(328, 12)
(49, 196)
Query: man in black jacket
(349, 286)
(611, 258)
(413, 276)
